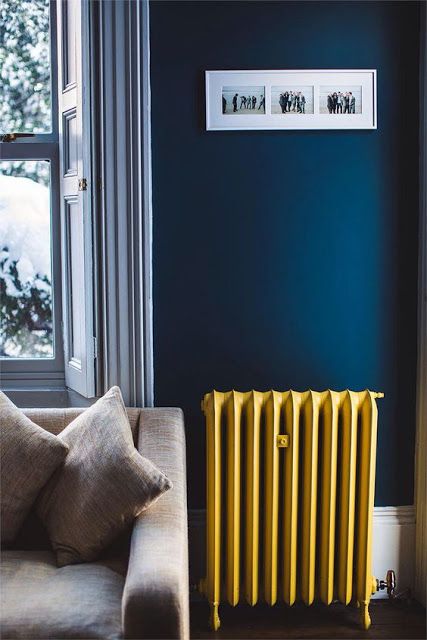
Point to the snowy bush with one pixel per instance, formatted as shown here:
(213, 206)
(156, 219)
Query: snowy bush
(25, 269)
(25, 66)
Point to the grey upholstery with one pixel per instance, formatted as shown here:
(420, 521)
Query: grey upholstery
(94, 600)
(155, 599)
(41, 601)
(55, 420)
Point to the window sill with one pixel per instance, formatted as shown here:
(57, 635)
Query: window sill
(31, 396)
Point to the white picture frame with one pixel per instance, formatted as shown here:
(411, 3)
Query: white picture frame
(314, 92)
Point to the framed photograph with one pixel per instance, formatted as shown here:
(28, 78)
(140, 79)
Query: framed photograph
(291, 99)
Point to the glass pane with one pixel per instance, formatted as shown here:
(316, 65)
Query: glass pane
(25, 105)
(25, 260)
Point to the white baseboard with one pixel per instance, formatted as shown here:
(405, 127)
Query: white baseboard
(393, 545)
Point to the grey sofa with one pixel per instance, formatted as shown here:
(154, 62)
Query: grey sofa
(139, 588)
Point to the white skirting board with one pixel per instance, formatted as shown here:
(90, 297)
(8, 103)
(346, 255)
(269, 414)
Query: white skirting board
(393, 545)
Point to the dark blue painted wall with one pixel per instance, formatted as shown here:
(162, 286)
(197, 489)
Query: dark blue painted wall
(286, 259)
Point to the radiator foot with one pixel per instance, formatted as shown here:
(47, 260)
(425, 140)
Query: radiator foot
(214, 621)
(365, 618)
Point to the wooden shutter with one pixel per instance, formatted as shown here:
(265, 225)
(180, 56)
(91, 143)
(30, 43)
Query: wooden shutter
(75, 188)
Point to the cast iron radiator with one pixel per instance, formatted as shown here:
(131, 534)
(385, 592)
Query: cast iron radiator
(290, 497)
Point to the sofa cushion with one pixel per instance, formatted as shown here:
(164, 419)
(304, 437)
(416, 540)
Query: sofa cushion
(103, 485)
(40, 600)
(28, 457)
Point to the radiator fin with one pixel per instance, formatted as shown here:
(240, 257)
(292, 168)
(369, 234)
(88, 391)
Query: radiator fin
(234, 411)
(213, 408)
(328, 496)
(309, 497)
(271, 500)
(365, 498)
(347, 493)
(290, 498)
(253, 430)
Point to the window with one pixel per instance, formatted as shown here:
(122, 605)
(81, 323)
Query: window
(30, 275)
(74, 114)
(46, 282)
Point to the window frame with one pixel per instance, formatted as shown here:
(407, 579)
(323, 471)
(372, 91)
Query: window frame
(43, 147)
(118, 170)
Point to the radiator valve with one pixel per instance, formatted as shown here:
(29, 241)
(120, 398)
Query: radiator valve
(389, 583)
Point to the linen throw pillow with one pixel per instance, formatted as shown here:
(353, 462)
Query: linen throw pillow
(103, 485)
(28, 457)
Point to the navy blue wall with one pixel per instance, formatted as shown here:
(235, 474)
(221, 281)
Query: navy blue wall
(286, 259)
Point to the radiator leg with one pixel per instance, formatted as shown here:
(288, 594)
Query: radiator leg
(365, 618)
(214, 621)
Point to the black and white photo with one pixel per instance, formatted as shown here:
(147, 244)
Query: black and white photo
(340, 100)
(292, 100)
(243, 100)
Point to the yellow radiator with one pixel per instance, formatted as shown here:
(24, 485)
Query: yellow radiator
(290, 497)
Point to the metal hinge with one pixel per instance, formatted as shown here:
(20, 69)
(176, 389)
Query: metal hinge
(82, 184)
(95, 348)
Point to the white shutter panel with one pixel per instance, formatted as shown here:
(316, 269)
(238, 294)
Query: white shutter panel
(76, 223)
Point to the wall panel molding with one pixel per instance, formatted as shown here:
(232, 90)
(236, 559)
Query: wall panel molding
(69, 142)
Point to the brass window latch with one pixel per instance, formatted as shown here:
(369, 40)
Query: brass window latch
(83, 184)
(11, 137)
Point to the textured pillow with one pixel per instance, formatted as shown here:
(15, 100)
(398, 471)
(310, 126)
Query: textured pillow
(104, 484)
(28, 457)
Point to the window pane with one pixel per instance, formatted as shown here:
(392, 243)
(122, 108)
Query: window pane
(25, 105)
(25, 260)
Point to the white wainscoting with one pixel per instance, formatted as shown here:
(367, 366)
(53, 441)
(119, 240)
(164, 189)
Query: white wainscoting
(393, 545)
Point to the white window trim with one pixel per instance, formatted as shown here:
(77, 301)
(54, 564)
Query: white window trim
(123, 224)
(42, 372)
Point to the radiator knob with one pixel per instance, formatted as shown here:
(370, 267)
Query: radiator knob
(389, 583)
(282, 440)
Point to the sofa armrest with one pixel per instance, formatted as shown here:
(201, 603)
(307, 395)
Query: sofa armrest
(155, 598)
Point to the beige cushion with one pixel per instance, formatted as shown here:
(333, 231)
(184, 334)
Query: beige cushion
(28, 457)
(103, 485)
(41, 601)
